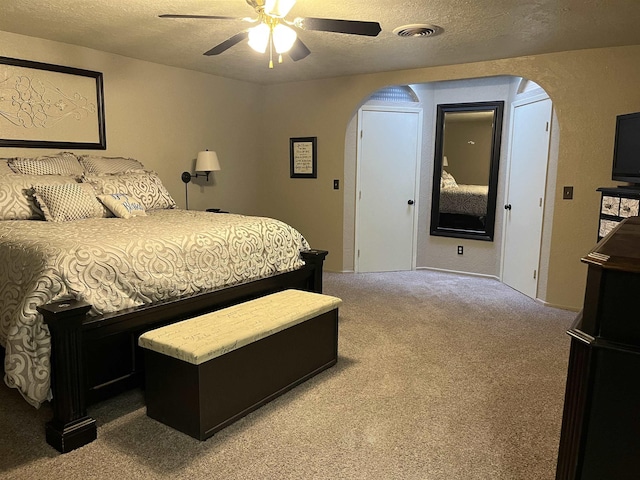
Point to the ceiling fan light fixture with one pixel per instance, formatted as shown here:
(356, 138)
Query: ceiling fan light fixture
(273, 30)
(283, 38)
(259, 37)
(278, 8)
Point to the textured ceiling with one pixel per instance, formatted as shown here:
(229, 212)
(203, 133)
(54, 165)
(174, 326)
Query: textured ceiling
(474, 30)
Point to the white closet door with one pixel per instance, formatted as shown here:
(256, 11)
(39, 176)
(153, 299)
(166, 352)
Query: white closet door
(388, 152)
(527, 181)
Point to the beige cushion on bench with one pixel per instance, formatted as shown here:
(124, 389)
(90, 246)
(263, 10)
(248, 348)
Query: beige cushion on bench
(202, 338)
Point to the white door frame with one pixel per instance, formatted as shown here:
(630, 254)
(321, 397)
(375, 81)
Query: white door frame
(519, 103)
(399, 109)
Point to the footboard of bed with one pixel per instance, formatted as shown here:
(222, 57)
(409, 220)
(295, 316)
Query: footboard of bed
(94, 358)
(70, 427)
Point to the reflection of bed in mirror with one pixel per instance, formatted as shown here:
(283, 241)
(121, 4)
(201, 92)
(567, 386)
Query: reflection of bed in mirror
(462, 199)
(462, 206)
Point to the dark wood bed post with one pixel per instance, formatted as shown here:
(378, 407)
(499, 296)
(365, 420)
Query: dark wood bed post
(70, 427)
(316, 259)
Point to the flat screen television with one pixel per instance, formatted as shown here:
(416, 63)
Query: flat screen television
(626, 150)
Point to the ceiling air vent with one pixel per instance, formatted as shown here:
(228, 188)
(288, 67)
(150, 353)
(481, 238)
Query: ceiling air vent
(418, 30)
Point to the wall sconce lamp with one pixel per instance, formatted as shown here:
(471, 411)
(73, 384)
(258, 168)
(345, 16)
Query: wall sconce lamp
(207, 162)
(445, 162)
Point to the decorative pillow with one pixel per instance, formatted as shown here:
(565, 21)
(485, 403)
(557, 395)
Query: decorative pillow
(123, 205)
(143, 185)
(72, 201)
(99, 164)
(63, 163)
(16, 195)
(4, 166)
(447, 180)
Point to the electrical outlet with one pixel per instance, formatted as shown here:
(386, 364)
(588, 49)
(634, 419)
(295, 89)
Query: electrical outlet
(336, 184)
(460, 250)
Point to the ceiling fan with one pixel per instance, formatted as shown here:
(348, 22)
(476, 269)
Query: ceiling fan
(276, 32)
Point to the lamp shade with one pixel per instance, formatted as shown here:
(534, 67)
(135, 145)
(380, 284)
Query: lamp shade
(259, 37)
(445, 162)
(207, 161)
(283, 38)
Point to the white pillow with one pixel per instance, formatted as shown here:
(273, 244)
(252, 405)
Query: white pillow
(447, 180)
(123, 205)
(144, 185)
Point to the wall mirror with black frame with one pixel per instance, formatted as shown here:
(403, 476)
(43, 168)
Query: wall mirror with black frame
(465, 175)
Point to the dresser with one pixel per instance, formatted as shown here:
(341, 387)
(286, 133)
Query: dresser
(600, 436)
(617, 204)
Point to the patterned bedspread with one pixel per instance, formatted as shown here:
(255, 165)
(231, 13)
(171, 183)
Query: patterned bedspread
(464, 199)
(115, 263)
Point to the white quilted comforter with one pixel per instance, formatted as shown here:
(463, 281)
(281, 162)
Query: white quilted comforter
(115, 263)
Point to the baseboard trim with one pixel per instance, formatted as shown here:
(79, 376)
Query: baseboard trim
(561, 307)
(459, 272)
(427, 268)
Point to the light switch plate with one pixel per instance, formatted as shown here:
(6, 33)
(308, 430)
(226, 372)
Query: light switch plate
(567, 193)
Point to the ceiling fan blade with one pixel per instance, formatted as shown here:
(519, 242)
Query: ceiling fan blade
(299, 50)
(228, 43)
(208, 17)
(352, 27)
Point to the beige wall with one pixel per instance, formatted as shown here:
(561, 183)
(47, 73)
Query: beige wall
(588, 88)
(163, 116)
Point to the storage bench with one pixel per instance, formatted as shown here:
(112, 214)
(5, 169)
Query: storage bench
(204, 373)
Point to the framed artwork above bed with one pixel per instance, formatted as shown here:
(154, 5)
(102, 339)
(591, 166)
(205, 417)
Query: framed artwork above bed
(50, 106)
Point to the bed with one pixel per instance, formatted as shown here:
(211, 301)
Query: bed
(113, 259)
(459, 199)
(464, 200)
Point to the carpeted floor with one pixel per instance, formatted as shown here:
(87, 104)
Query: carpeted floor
(440, 376)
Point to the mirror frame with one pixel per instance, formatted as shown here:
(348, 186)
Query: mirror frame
(497, 107)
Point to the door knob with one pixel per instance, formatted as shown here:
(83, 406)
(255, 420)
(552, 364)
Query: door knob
(410, 202)
(507, 206)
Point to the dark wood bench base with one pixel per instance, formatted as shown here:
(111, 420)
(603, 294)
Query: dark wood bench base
(200, 400)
